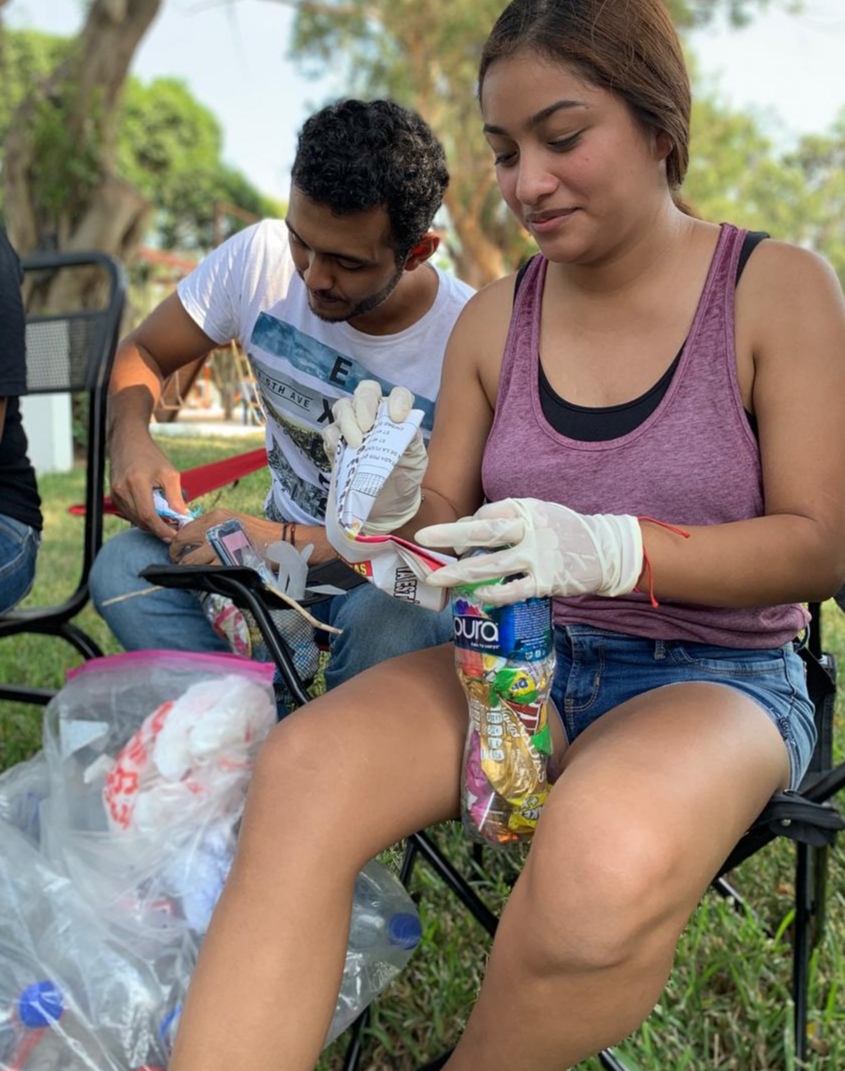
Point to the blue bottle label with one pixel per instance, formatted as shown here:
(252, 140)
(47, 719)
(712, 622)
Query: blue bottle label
(521, 631)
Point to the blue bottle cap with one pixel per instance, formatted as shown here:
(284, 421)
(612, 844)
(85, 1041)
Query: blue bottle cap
(404, 930)
(40, 1004)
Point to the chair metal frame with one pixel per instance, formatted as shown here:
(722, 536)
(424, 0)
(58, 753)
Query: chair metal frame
(808, 816)
(92, 379)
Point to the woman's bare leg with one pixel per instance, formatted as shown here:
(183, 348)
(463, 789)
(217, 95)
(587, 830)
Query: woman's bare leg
(650, 802)
(336, 782)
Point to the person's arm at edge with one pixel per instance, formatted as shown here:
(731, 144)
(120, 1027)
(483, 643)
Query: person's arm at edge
(12, 316)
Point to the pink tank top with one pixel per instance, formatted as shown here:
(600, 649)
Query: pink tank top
(693, 461)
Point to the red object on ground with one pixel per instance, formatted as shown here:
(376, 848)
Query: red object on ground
(202, 479)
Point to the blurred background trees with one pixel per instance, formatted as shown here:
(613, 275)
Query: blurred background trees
(93, 157)
(426, 54)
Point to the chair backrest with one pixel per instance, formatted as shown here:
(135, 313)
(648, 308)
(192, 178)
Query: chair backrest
(74, 304)
(71, 346)
(70, 350)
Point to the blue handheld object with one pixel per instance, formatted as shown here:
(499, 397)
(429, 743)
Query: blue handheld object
(167, 513)
(404, 930)
(40, 1005)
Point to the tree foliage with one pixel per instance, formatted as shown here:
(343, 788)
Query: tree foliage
(92, 157)
(819, 160)
(60, 183)
(738, 173)
(169, 147)
(26, 58)
(426, 55)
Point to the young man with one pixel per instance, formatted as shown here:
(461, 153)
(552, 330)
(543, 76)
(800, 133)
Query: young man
(341, 291)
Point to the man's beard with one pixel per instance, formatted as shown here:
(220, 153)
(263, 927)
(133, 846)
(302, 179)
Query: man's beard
(365, 305)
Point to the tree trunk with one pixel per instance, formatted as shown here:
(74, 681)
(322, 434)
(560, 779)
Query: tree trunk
(65, 211)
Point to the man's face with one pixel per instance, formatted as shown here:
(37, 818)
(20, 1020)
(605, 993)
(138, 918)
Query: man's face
(346, 263)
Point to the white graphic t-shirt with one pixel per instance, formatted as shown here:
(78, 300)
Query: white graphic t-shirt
(247, 289)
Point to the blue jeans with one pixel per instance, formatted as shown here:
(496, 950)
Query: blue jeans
(597, 670)
(375, 626)
(18, 548)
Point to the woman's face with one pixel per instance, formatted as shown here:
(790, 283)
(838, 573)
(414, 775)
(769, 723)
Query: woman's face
(574, 167)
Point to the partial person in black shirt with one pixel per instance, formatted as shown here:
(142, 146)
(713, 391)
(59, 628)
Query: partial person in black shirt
(20, 505)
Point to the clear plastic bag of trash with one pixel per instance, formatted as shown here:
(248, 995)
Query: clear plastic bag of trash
(148, 756)
(75, 995)
(115, 841)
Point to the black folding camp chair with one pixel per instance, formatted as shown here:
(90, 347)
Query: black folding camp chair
(807, 817)
(70, 350)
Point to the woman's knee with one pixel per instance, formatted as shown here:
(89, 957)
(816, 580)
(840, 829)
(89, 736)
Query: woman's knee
(605, 902)
(299, 783)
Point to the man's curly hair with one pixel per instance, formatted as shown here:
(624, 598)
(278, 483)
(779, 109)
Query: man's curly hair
(356, 155)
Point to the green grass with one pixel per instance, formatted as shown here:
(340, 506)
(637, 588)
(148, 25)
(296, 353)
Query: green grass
(727, 1005)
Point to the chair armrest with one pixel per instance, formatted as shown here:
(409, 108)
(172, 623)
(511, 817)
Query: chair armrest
(212, 579)
(788, 814)
(246, 590)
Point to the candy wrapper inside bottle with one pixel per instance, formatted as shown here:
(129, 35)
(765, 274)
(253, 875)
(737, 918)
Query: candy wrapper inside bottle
(505, 660)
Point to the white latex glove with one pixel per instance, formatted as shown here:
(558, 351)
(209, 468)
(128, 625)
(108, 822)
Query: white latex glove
(399, 499)
(554, 550)
(353, 417)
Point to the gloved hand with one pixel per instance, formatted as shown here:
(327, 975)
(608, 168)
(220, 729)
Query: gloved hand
(555, 550)
(399, 499)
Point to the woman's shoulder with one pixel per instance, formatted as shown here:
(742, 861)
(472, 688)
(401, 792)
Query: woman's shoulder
(478, 339)
(482, 327)
(789, 302)
(782, 279)
(778, 264)
(492, 303)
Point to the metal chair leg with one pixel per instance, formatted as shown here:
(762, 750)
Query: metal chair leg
(610, 1061)
(455, 881)
(810, 908)
(356, 1045)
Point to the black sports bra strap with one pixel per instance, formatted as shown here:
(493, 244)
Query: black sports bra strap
(520, 275)
(749, 244)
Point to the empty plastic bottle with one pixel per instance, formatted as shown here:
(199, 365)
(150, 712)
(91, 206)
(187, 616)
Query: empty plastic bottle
(505, 660)
(38, 1007)
(383, 932)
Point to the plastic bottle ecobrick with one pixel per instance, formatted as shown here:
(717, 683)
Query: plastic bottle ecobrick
(505, 660)
(27, 1024)
(383, 932)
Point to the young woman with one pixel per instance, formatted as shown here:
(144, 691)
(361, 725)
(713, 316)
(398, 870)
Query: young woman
(655, 416)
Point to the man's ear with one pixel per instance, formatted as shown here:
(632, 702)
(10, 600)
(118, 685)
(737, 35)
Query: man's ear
(424, 250)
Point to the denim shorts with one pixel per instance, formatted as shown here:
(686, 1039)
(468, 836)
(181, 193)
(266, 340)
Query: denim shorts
(597, 670)
(18, 548)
